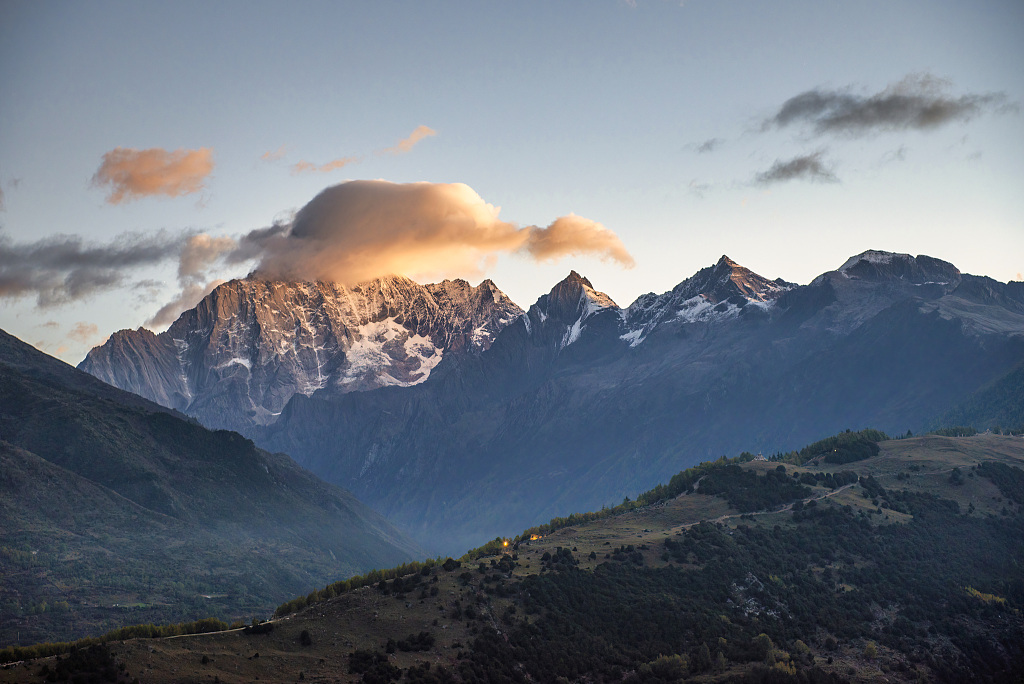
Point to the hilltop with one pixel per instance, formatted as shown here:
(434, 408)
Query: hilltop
(895, 567)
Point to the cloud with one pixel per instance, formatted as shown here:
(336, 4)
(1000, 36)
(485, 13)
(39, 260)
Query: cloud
(897, 155)
(199, 252)
(274, 155)
(807, 167)
(63, 268)
(709, 145)
(361, 230)
(407, 144)
(348, 233)
(304, 166)
(130, 174)
(191, 294)
(698, 188)
(3, 205)
(576, 236)
(918, 102)
(84, 332)
(198, 255)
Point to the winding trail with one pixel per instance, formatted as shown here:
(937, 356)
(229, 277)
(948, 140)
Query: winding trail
(787, 507)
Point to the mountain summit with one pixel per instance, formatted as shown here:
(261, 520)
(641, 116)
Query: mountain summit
(718, 291)
(728, 279)
(240, 355)
(877, 265)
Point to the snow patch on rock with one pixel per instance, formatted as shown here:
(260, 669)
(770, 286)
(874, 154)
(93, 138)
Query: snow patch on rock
(873, 256)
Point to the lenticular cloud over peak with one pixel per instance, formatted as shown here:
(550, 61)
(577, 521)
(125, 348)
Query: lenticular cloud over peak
(364, 229)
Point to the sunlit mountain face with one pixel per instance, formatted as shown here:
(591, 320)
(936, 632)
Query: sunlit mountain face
(236, 359)
(459, 415)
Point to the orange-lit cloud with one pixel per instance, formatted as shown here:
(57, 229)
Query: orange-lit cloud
(84, 332)
(360, 230)
(574, 235)
(407, 144)
(129, 174)
(274, 155)
(304, 166)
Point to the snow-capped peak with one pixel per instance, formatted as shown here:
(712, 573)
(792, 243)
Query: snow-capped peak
(574, 298)
(878, 266)
(569, 303)
(728, 279)
(718, 291)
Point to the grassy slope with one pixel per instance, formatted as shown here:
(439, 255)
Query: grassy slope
(367, 618)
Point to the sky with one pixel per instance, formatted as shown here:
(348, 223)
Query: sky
(149, 151)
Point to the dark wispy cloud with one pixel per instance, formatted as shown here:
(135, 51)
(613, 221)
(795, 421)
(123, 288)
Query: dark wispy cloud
(64, 268)
(918, 102)
(897, 155)
(808, 167)
(709, 145)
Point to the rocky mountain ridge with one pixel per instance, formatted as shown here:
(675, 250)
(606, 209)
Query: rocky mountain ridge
(236, 359)
(579, 402)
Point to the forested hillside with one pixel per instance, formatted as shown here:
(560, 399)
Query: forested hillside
(900, 566)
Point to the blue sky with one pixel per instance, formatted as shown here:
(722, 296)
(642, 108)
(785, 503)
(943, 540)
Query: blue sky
(654, 119)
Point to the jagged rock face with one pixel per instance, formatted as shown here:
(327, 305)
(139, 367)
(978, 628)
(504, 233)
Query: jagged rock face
(236, 359)
(559, 317)
(715, 292)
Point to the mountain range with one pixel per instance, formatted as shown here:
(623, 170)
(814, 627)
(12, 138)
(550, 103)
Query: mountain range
(114, 509)
(456, 414)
